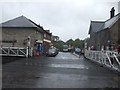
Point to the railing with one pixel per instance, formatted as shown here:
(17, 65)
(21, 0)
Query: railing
(107, 58)
(15, 51)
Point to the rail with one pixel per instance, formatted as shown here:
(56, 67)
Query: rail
(16, 51)
(107, 58)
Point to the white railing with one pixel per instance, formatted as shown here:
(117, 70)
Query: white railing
(107, 58)
(15, 51)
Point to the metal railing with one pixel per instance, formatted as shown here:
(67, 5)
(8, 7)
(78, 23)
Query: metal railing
(107, 58)
(15, 51)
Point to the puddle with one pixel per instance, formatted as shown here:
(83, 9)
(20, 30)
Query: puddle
(72, 66)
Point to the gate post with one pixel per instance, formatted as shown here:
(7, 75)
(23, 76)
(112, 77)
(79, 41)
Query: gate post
(27, 52)
(8, 51)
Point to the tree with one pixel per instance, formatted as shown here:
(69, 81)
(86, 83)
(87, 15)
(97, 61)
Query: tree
(70, 42)
(77, 43)
(59, 44)
(55, 38)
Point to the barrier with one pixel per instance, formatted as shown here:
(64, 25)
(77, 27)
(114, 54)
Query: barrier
(107, 58)
(16, 51)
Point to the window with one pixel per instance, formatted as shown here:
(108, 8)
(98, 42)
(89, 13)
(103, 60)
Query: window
(45, 35)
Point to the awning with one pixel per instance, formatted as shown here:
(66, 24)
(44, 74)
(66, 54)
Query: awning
(39, 41)
(45, 40)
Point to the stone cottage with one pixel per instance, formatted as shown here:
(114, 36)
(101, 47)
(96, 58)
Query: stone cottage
(17, 32)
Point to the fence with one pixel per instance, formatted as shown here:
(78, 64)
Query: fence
(16, 51)
(107, 58)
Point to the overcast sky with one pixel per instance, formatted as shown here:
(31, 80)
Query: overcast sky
(65, 18)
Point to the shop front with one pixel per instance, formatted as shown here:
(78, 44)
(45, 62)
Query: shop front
(38, 47)
(46, 45)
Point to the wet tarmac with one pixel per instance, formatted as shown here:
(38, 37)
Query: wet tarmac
(63, 71)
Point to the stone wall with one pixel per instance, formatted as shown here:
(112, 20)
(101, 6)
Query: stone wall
(97, 39)
(92, 39)
(114, 33)
(20, 35)
(102, 38)
(119, 31)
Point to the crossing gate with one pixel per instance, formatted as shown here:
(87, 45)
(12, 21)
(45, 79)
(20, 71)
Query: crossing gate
(15, 51)
(107, 58)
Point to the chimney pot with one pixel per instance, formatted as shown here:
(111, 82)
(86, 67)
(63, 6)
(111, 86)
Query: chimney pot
(112, 12)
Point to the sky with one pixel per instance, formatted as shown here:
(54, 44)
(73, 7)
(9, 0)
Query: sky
(68, 19)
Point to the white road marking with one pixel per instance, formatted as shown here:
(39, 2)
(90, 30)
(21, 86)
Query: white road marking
(69, 66)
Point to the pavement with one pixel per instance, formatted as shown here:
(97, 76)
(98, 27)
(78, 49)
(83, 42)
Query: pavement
(63, 71)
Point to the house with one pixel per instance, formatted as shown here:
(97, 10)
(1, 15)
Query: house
(19, 31)
(105, 33)
(55, 38)
(94, 28)
(47, 36)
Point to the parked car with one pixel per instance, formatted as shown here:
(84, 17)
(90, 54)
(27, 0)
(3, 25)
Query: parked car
(52, 52)
(77, 50)
(69, 49)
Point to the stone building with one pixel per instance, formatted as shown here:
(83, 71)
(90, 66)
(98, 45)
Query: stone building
(106, 33)
(93, 31)
(17, 32)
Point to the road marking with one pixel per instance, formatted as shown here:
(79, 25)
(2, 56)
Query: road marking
(69, 66)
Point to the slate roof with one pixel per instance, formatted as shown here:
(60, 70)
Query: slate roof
(39, 28)
(46, 31)
(109, 23)
(97, 26)
(21, 22)
(18, 22)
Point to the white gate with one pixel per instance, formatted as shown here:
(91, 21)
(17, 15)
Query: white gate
(15, 51)
(107, 58)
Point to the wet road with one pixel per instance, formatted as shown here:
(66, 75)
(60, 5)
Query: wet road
(63, 71)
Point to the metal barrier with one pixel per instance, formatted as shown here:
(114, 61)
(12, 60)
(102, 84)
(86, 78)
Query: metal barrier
(15, 51)
(107, 58)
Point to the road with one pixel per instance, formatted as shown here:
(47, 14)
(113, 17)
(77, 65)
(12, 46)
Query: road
(63, 71)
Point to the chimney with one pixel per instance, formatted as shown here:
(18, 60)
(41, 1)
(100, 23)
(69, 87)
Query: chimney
(112, 12)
